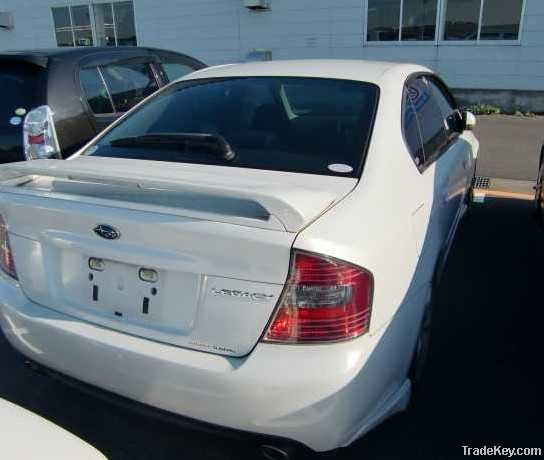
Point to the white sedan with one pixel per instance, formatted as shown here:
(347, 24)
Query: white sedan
(255, 246)
(25, 435)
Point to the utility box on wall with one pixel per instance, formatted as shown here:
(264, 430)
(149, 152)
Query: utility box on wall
(6, 20)
(257, 5)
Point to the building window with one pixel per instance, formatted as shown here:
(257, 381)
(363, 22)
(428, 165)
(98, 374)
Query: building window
(124, 23)
(81, 24)
(383, 20)
(500, 20)
(418, 20)
(104, 24)
(110, 24)
(462, 17)
(482, 19)
(63, 27)
(464, 20)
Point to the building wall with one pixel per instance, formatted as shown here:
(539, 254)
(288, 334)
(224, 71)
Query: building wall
(220, 31)
(33, 24)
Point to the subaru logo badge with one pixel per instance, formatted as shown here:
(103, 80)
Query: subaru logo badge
(107, 232)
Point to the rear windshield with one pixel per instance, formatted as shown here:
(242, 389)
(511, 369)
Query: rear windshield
(308, 125)
(21, 90)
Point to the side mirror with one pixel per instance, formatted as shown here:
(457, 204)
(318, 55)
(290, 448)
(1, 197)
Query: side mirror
(469, 120)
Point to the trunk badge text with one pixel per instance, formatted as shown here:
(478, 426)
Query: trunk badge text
(107, 232)
(254, 296)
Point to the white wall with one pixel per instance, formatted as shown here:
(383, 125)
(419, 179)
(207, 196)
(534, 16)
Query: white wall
(219, 31)
(33, 24)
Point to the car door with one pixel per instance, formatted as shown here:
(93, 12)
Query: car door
(113, 89)
(440, 158)
(459, 154)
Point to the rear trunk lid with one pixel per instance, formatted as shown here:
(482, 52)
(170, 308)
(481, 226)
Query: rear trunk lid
(200, 256)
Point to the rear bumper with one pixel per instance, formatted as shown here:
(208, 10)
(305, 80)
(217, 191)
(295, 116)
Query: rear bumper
(321, 396)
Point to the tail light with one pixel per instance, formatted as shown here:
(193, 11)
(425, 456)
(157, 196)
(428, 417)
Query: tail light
(7, 264)
(325, 300)
(40, 136)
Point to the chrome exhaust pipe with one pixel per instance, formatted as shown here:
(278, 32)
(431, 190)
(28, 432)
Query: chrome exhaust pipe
(270, 452)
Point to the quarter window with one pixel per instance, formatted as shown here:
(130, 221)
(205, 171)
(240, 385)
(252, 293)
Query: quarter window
(175, 70)
(411, 131)
(433, 128)
(472, 20)
(129, 84)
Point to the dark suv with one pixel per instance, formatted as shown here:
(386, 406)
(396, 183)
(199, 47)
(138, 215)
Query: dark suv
(70, 95)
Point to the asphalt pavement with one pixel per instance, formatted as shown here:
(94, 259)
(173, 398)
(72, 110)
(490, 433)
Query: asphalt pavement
(510, 146)
(483, 385)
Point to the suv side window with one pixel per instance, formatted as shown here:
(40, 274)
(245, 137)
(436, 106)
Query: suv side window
(129, 84)
(410, 128)
(175, 70)
(95, 91)
(432, 124)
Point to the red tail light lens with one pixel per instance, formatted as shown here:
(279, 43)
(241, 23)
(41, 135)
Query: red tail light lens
(7, 264)
(325, 300)
(36, 140)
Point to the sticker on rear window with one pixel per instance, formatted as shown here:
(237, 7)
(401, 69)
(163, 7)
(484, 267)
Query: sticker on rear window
(15, 121)
(340, 168)
(20, 112)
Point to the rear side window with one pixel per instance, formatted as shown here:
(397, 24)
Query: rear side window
(308, 125)
(432, 124)
(448, 108)
(21, 87)
(129, 84)
(410, 127)
(95, 91)
(175, 70)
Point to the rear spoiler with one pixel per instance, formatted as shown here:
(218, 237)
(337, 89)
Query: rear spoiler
(293, 208)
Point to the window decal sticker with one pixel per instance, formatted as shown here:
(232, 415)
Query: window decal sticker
(340, 168)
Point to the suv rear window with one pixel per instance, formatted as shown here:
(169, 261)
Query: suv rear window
(308, 125)
(21, 87)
